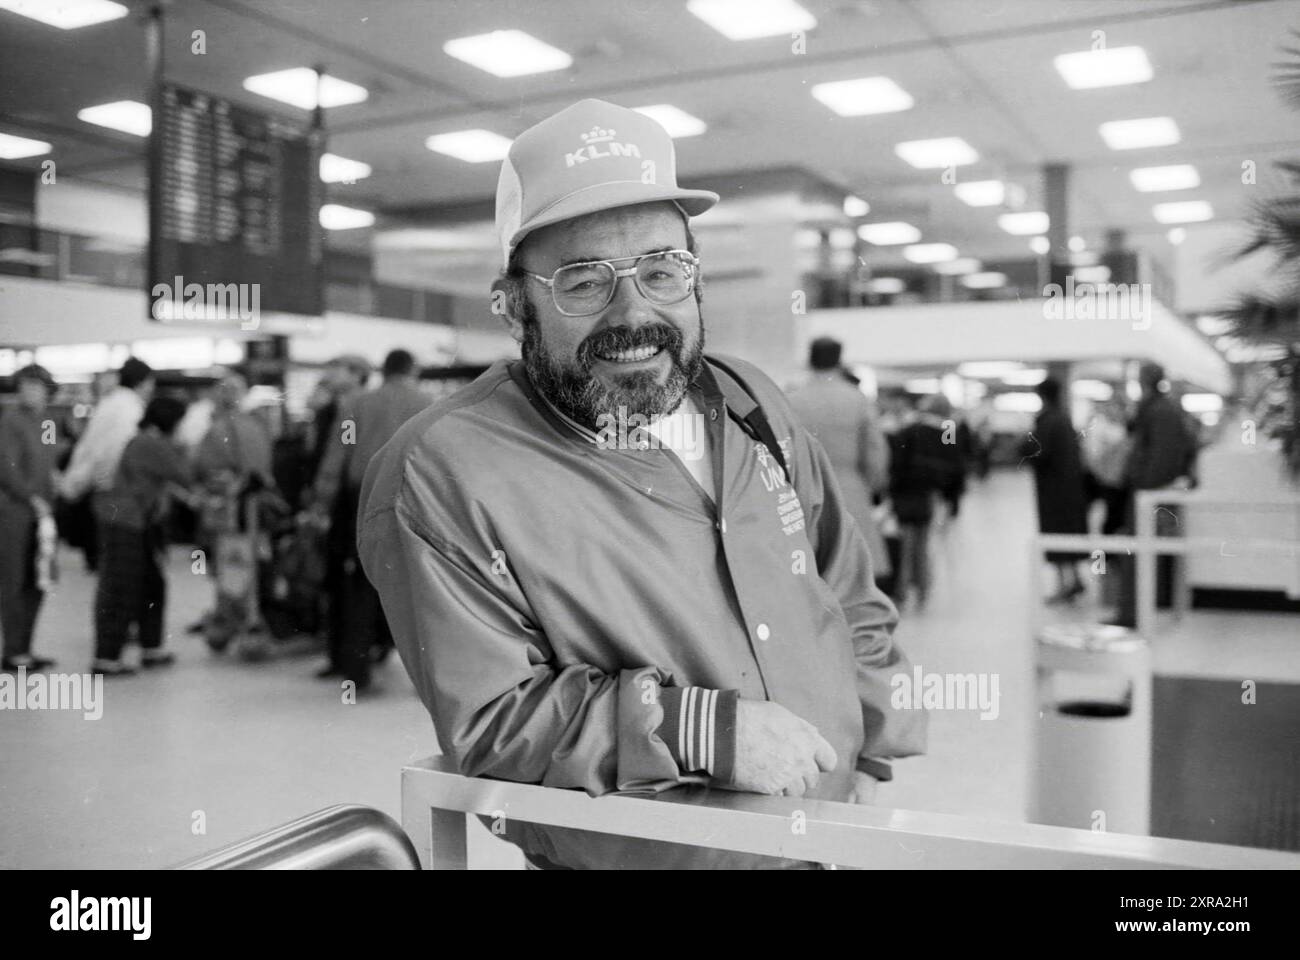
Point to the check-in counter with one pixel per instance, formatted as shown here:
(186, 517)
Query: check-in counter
(1250, 498)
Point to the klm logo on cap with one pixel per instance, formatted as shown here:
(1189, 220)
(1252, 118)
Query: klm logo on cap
(592, 147)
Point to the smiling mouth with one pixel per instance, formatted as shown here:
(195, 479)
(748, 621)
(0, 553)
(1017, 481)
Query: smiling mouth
(634, 355)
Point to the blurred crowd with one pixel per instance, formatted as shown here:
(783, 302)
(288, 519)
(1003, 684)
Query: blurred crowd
(270, 508)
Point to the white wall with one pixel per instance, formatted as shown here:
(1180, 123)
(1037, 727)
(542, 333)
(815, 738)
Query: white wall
(75, 206)
(950, 333)
(40, 312)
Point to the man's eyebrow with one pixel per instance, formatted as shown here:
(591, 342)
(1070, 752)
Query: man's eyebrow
(592, 258)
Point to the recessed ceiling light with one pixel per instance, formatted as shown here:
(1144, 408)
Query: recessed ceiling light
(940, 152)
(1112, 67)
(336, 169)
(675, 120)
(66, 14)
(507, 53)
(1097, 390)
(886, 285)
(1176, 235)
(958, 266)
(981, 193)
(864, 96)
(983, 281)
(1136, 134)
(1184, 211)
(856, 206)
(930, 252)
(1024, 224)
(1040, 245)
(1077, 245)
(129, 116)
(336, 217)
(16, 148)
(747, 19)
(472, 146)
(889, 234)
(297, 86)
(1154, 179)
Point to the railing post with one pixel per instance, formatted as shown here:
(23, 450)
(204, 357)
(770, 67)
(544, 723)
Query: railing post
(1145, 560)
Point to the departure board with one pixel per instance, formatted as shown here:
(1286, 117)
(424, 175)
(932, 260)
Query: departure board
(237, 201)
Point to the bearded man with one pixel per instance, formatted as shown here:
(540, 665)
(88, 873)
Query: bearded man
(689, 604)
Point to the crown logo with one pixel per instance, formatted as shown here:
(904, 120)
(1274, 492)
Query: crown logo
(598, 135)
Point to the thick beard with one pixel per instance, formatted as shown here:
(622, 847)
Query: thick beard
(574, 391)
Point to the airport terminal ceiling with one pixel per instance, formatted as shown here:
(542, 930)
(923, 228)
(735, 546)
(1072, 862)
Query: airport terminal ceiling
(981, 72)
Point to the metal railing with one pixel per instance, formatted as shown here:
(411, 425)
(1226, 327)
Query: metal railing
(1145, 545)
(437, 804)
(343, 837)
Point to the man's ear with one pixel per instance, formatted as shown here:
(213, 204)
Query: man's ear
(501, 308)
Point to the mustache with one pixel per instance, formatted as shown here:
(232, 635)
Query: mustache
(614, 339)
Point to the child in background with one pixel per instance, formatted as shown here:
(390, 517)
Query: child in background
(133, 541)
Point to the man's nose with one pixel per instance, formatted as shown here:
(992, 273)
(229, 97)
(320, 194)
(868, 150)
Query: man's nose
(628, 307)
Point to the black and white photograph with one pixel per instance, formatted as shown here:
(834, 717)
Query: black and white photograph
(691, 435)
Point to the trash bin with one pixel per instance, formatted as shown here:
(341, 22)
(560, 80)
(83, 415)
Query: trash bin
(1092, 764)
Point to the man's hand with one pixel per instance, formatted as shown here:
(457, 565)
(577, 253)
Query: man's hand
(864, 788)
(778, 752)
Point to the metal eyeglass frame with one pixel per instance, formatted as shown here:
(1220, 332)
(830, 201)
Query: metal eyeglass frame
(631, 271)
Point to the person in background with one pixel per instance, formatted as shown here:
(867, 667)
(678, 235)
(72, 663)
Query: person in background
(344, 376)
(132, 514)
(196, 423)
(955, 488)
(838, 414)
(237, 446)
(27, 460)
(1162, 452)
(921, 466)
(111, 427)
(1105, 456)
(1053, 451)
(365, 424)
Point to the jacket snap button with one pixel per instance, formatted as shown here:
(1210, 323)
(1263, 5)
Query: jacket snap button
(713, 414)
(762, 631)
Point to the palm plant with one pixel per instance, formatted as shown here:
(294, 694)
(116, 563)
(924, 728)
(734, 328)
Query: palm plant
(1271, 317)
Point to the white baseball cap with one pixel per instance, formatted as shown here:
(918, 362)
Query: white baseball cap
(588, 157)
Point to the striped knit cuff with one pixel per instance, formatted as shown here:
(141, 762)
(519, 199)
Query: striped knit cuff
(877, 767)
(699, 729)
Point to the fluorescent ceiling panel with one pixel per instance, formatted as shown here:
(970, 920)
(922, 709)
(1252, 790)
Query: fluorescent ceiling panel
(128, 116)
(297, 87)
(1181, 176)
(17, 148)
(889, 234)
(675, 120)
(66, 14)
(749, 19)
(1137, 134)
(336, 169)
(472, 146)
(508, 53)
(1026, 223)
(981, 193)
(1111, 67)
(863, 97)
(937, 153)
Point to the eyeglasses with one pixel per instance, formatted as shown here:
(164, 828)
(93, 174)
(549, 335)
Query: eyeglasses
(581, 289)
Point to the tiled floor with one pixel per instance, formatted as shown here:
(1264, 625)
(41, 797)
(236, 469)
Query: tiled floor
(243, 747)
